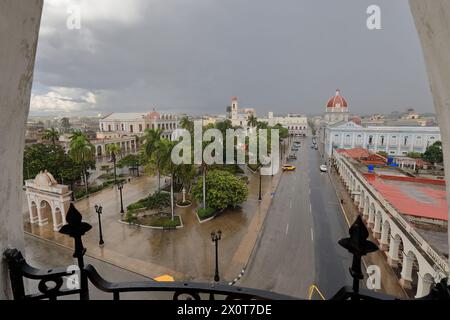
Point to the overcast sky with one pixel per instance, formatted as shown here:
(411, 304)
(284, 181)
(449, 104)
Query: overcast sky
(193, 56)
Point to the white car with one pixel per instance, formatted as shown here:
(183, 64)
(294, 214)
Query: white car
(323, 168)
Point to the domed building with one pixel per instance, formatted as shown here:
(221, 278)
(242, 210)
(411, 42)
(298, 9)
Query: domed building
(336, 109)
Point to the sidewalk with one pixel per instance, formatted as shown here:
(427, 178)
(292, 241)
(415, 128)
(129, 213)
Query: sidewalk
(389, 280)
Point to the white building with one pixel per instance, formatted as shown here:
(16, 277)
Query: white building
(392, 140)
(136, 123)
(239, 117)
(295, 123)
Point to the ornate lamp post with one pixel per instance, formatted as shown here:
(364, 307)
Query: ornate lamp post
(99, 209)
(260, 197)
(120, 187)
(215, 237)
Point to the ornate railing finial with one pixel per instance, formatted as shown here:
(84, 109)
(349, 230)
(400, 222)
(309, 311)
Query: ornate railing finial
(359, 246)
(76, 228)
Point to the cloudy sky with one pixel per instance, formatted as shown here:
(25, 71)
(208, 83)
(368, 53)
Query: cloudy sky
(192, 56)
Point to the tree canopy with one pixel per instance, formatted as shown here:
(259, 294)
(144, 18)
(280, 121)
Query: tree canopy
(434, 154)
(223, 190)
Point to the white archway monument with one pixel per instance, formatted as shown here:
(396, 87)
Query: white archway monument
(44, 191)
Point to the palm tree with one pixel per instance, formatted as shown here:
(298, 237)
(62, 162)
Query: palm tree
(113, 149)
(149, 140)
(252, 121)
(51, 135)
(157, 161)
(82, 151)
(187, 124)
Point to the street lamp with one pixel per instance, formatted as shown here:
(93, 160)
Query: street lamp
(215, 237)
(120, 187)
(260, 198)
(99, 209)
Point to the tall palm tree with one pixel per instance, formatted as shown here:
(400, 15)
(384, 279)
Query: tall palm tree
(157, 161)
(252, 121)
(82, 151)
(187, 124)
(51, 135)
(150, 145)
(114, 150)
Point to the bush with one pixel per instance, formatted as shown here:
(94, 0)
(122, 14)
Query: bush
(205, 213)
(223, 189)
(158, 200)
(166, 222)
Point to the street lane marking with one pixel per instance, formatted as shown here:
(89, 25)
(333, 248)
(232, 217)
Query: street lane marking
(287, 228)
(310, 207)
(312, 234)
(290, 204)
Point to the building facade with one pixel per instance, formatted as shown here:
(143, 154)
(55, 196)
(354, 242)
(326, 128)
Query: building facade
(296, 124)
(397, 141)
(136, 123)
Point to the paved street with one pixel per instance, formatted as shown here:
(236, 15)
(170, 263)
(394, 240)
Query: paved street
(298, 244)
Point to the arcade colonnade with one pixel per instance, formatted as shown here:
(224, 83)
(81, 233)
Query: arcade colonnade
(403, 246)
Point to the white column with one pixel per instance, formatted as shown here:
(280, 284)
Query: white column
(20, 20)
(384, 237)
(423, 286)
(55, 223)
(406, 274)
(393, 251)
(377, 227)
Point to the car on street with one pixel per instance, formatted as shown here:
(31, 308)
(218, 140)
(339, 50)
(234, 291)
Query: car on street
(288, 167)
(323, 168)
(294, 149)
(292, 156)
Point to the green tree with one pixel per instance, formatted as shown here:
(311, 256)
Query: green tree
(156, 160)
(114, 150)
(83, 153)
(132, 161)
(414, 155)
(252, 121)
(187, 124)
(105, 168)
(51, 135)
(224, 189)
(434, 154)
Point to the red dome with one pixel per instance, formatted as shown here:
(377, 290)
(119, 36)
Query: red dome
(337, 101)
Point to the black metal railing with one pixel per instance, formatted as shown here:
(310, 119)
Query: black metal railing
(51, 281)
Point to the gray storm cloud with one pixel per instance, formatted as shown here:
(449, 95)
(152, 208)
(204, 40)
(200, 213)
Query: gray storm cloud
(192, 56)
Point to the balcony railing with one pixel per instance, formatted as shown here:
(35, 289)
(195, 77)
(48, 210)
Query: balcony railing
(51, 281)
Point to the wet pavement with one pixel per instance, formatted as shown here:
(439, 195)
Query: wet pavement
(298, 244)
(185, 253)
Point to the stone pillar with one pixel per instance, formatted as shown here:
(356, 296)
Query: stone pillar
(406, 274)
(20, 20)
(384, 238)
(377, 227)
(55, 222)
(432, 21)
(393, 252)
(424, 284)
(371, 220)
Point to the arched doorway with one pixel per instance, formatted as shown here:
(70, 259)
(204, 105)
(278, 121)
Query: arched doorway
(46, 213)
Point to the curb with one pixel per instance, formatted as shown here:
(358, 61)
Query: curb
(155, 228)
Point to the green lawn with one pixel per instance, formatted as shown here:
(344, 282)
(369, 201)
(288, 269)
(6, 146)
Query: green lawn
(205, 213)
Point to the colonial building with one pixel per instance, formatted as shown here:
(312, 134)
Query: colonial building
(136, 123)
(392, 140)
(239, 117)
(296, 124)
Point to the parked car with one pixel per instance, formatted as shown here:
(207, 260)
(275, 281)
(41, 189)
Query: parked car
(292, 156)
(323, 168)
(288, 167)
